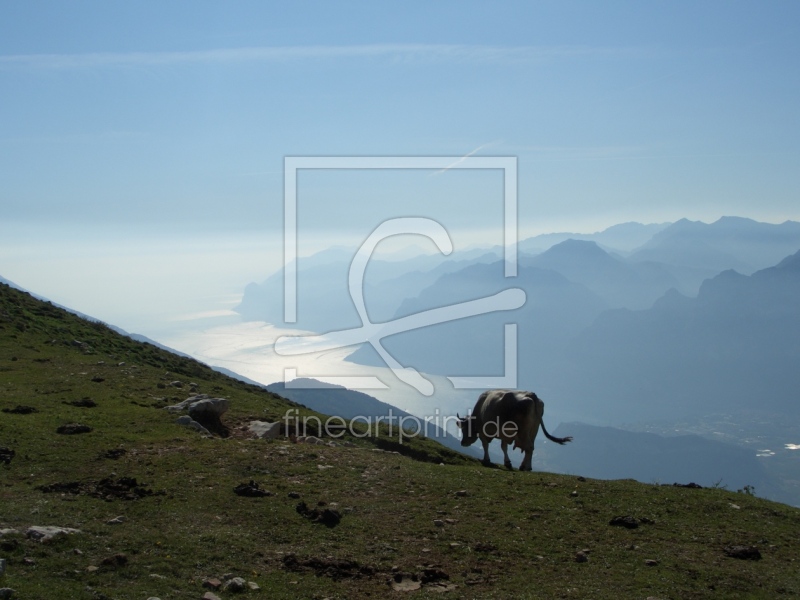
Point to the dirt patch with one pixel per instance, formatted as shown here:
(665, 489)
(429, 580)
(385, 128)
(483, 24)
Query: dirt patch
(6, 454)
(20, 410)
(113, 454)
(82, 403)
(73, 429)
(627, 521)
(336, 569)
(109, 489)
(327, 516)
(743, 552)
(250, 490)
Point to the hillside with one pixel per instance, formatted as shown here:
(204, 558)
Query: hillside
(153, 513)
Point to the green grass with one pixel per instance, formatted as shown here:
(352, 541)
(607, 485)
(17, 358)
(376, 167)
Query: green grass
(514, 535)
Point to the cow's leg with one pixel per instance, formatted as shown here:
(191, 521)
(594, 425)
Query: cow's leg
(526, 460)
(487, 462)
(506, 460)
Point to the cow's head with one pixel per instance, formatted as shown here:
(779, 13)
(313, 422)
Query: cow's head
(469, 429)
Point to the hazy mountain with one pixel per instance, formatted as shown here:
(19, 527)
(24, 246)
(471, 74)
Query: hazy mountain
(610, 453)
(619, 283)
(622, 238)
(729, 243)
(736, 344)
(556, 310)
(323, 295)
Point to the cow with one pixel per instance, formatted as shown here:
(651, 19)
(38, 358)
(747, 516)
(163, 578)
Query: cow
(510, 416)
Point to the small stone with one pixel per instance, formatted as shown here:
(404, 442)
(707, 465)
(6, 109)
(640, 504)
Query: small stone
(294, 495)
(651, 563)
(235, 584)
(116, 520)
(28, 562)
(438, 522)
(581, 557)
(212, 583)
(7, 593)
(574, 493)
(253, 586)
(92, 569)
(461, 493)
(210, 596)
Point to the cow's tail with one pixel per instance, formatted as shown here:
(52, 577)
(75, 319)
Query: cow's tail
(557, 440)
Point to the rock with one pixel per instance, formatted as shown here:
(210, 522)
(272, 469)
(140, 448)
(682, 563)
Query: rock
(210, 596)
(294, 495)
(235, 584)
(309, 439)
(461, 493)
(627, 521)
(188, 421)
(46, 533)
(73, 429)
(153, 598)
(7, 593)
(405, 583)
(743, 552)
(92, 569)
(115, 561)
(205, 411)
(208, 409)
(574, 493)
(176, 384)
(116, 520)
(253, 586)
(651, 563)
(212, 583)
(438, 522)
(581, 557)
(265, 430)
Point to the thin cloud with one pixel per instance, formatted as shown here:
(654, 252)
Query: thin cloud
(465, 157)
(278, 54)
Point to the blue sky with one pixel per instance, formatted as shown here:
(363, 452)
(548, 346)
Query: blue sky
(131, 124)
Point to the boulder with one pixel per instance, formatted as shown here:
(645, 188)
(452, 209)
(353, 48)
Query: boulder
(265, 430)
(188, 421)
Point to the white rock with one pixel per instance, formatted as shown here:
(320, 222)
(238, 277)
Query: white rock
(45, 533)
(265, 430)
(235, 584)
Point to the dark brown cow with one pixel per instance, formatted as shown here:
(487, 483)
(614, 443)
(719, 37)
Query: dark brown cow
(510, 416)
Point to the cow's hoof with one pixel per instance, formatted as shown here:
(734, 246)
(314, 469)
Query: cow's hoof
(508, 465)
(524, 468)
(487, 463)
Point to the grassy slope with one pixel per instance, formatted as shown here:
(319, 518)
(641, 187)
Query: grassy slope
(513, 534)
